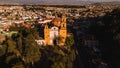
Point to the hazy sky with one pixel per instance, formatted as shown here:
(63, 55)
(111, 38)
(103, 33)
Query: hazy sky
(35, 1)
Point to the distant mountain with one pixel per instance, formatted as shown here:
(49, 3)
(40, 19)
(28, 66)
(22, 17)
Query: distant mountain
(113, 2)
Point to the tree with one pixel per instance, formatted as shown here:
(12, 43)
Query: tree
(3, 50)
(12, 47)
(69, 41)
(11, 54)
(35, 33)
(62, 57)
(108, 33)
(18, 65)
(31, 51)
(58, 58)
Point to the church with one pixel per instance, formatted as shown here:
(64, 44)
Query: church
(56, 35)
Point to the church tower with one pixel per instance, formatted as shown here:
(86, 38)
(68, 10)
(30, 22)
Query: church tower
(64, 18)
(47, 35)
(63, 30)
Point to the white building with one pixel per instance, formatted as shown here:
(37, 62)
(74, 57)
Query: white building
(40, 42)
(54, 33)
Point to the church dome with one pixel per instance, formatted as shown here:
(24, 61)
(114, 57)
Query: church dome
(57, 21)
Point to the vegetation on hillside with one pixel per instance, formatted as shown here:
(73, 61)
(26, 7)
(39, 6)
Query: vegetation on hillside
(107, 32)
(21, 51)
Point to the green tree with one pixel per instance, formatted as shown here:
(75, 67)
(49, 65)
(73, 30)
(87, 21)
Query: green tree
(62, 57)
(12, 50)
(108, 33)
(31, 52)
(11, 53)
(3, 50)
(35, 33)
(69, 41)
(18, 65)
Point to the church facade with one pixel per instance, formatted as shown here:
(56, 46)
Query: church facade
(56, 35)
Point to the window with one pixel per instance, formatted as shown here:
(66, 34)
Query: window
(63, 25)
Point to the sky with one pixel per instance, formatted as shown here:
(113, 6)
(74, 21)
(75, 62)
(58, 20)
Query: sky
(51, 1)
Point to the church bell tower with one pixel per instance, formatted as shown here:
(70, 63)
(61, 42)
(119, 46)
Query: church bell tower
(63, 30)
(47, 35)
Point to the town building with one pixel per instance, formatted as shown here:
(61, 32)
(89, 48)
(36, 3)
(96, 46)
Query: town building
(56, 35)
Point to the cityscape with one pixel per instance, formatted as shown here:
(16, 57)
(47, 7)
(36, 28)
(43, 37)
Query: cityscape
(59, 34)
